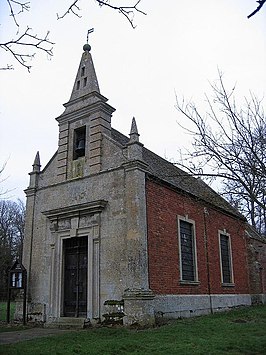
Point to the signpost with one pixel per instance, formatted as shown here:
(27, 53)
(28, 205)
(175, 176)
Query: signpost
(17, 280)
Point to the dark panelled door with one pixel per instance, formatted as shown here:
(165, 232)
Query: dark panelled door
(75, 276)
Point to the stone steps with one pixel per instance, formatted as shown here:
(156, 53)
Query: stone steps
(67, 323)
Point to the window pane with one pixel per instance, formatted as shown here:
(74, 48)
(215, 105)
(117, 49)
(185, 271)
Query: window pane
(225, 258)
(187, 251)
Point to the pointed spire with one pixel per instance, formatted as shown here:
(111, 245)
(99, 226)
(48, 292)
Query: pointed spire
(86, 81)
(36, 164)
(134, 135)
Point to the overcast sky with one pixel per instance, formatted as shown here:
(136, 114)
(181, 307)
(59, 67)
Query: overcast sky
(177, 47)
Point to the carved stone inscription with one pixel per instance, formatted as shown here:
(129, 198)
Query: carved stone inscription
(64, 224)
(83, 221)
(89, 220)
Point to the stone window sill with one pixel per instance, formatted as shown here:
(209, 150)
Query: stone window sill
(189, 283)
(228, 285)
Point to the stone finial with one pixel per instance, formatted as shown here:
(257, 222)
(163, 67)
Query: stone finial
(86, 47)
(134, 135)
(36, 164)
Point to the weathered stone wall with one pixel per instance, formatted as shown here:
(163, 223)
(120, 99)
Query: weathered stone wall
(257, 269)
(54, 214)
(113, 269)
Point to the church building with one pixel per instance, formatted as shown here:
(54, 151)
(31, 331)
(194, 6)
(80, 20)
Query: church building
(116, 233)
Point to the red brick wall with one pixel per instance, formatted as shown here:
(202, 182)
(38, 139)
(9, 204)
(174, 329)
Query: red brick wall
(163, 207)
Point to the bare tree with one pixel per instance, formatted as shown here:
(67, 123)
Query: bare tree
(230, 143)
(12, 221)
(235, 194)
(26, 43)
(3, 191)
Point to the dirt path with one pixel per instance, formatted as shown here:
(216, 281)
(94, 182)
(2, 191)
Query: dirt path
(28, 334)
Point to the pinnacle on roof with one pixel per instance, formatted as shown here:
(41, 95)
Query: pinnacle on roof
(36, 164)
(134, 135)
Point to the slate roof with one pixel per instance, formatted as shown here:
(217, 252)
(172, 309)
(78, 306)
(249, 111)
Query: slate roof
(179, 179)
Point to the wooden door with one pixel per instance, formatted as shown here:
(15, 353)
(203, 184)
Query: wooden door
(75, 276)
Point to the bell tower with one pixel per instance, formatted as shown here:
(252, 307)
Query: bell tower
(86, 117)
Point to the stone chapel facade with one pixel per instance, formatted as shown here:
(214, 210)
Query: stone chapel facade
(111, 224)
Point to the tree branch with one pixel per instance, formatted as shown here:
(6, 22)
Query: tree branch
(127, 11)
(27, 40)
(21, 48)
(2, 192)
(261, 3)
(22, 5)
(7, 67)
(72, 8)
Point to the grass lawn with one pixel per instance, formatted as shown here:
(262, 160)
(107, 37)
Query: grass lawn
(241, 331)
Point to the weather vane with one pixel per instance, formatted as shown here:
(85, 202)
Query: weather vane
(89, 31)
